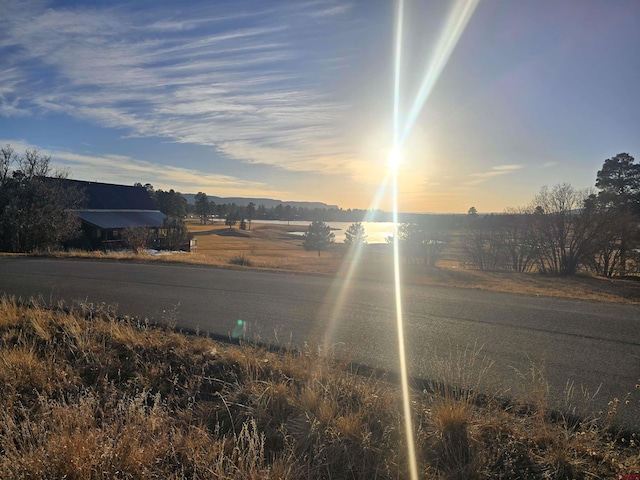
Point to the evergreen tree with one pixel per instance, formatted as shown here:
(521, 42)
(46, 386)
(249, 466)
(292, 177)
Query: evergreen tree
(250, 212)
(230, 220)
(355, 234)
(318, 236)
(619, 195)
(619, 183)
(203, 207)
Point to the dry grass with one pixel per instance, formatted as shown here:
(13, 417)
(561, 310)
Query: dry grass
(274, 248)
(89, 395)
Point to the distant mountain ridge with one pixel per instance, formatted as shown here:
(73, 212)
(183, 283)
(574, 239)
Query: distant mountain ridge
(267, 202)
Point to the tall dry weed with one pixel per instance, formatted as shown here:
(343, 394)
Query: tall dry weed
(89, 394)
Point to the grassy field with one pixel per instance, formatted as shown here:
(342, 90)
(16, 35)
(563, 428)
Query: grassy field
(275, 248)
(86, 394)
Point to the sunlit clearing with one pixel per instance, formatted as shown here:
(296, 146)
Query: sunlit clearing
(456, 23)
(395, 159)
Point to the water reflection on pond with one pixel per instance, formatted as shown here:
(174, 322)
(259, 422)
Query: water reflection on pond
(377, 232)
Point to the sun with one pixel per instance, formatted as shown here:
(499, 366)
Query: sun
(395, 159)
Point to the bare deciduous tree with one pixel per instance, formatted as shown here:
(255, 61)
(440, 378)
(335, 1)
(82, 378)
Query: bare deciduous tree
(422, 242)
(7, 158)
(521, 251)
(566, 230)
(35, 206)
(483, 245)
(34, 164)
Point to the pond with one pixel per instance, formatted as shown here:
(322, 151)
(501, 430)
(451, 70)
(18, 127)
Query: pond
(376, 232)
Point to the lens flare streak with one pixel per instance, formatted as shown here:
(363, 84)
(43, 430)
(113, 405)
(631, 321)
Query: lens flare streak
(455, 26)
(394, 163)
(396, 75)
(406, 394)
(340, 288)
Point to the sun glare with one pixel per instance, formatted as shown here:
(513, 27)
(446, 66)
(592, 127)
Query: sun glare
(395, 159)
(456, 25)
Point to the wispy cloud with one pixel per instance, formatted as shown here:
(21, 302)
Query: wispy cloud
(332, 11)
(251, 91)
(10, 85)
(481, 177)
(121, 169)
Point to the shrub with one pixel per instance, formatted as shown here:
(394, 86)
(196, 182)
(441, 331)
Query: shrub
(241, 260)
(137, 238)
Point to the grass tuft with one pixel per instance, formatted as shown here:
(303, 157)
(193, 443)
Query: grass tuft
(241, 260)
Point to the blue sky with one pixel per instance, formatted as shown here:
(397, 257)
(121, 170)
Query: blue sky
(294, 100)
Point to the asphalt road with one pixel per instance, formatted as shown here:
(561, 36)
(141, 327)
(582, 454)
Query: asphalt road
(593, 345)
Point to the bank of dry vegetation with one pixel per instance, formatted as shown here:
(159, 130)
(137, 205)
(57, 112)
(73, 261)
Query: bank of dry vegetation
(86, 394)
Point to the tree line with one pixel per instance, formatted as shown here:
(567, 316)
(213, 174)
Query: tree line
(562, 231)
(174, 204)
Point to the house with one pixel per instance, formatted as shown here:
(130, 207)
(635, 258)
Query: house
(110, 209)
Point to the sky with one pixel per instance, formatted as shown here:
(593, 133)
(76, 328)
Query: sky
(294, 100)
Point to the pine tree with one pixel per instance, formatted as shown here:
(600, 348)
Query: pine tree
(318, 236)
(355, 234)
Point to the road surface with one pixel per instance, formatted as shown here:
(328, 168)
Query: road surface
(594, 345)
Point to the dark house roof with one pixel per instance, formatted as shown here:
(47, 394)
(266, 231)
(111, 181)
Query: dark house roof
(110, 206)
(115, 219)
(108, 196)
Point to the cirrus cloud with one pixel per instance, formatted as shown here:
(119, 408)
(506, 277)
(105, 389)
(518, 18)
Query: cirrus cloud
(496, 171)
(248, 88)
